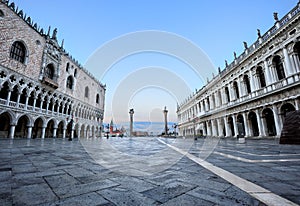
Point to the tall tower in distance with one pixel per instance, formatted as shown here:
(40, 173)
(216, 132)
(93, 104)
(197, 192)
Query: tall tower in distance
(131, 112)
(166, 120)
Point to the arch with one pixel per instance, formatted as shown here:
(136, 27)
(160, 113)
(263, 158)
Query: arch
(60, 129)
(82, 133)
(18, 52)
(236, 89)
(4, 90)
(14, 94)
(261, 76)
(253, 123)
(5, 119)
(296, 49)
(49, 129)
(31, 98)
(269, 121)
(22, 126)
(88, 131)
(86, 92)
(23, 96)
(247, 84)
(70, 82)
(37, 127)
(286, 108)
(278, 64)
(50, 71)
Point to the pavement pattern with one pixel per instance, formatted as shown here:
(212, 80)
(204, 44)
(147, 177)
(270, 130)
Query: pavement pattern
(61, 172)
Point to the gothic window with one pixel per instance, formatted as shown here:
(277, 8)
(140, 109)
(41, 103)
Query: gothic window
(247, 84)
(18, 51)
(49, 72)
(236, 89)
(97, 98)
(70, 82)
(75, 73)
(261, 76)
(67, 67)
(227, 94)
(279, 67)
(86, 92)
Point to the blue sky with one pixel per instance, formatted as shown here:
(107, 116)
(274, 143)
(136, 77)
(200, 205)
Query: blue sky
(217, 27)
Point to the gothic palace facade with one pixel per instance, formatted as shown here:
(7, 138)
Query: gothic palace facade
(257, 89)
(44, 92)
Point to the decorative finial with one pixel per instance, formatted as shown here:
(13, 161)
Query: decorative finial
(258, 33)
(219, 69)
(245, 45)
(226, 63)
(48, 34)
(234, 54)
(62, 44)
(275, 15)
(54, 34)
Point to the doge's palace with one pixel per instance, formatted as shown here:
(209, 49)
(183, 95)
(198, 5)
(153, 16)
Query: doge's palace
(255, 91)
(44, 91)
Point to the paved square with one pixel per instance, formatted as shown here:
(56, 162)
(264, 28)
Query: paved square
(61, 172)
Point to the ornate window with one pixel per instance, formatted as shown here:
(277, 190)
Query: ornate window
(70, 82)
(86, 92)
(75, 73)
(236, 89)
(261, 76)
(18, 51)
(247, 84)
(97, 98)
(49, 72)
(227, 94)
(279, 67)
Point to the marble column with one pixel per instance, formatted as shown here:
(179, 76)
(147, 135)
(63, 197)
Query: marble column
(8, 96)
(246, 124)
(278, 121)
(29, 132)
(12, 131)
(261, 128)
(235, 125)
(287, 62)
(43, 132)
(227, 129)
(269, 79)
(54, 132)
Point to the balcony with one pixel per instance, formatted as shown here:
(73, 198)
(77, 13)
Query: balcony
(50, 82)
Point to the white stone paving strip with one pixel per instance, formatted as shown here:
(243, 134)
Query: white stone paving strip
(254, 190)
(255, 161)
(260, 155)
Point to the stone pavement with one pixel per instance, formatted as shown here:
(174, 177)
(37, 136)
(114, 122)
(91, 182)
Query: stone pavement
(60, 172)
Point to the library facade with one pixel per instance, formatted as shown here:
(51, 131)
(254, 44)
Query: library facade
(255, 91)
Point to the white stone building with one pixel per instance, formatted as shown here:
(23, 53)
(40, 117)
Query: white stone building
(257, 89)
(44, 92)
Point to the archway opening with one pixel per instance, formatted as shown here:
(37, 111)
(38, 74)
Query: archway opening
(231, 126)
(253, 124)
(5, 120)
(60, 129)
(270, 122)
(37, 128)
(49, 129)
(21, 128)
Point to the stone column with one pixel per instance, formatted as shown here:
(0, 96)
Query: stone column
(12, 131)
(43, 132)
(220, 128)
(29, 132)
(54, 132)
(34, 101)
(208, 128)
(8, 96)
(235, 125)
(296, 62)
(131, 112)
(166, 120)
(278, 121)
(18, 99)
(47, 106)
(289, 68)
(26, 101)
(297, 104)
(246, 124)
(79, 130)
(261, 128)
(268, 73)
(227, 130)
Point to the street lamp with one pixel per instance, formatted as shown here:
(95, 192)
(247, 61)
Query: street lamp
(175, 126)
